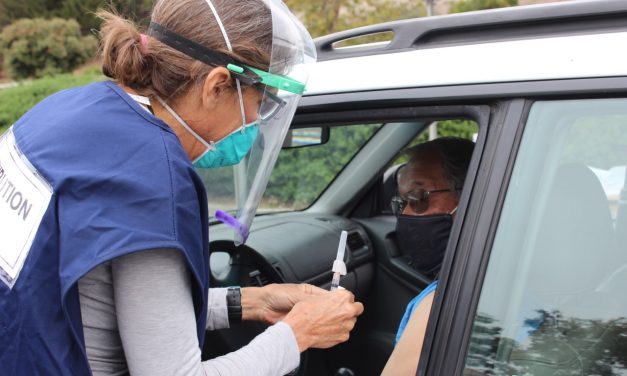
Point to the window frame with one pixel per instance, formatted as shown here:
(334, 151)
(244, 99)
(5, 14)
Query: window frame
(465, 262)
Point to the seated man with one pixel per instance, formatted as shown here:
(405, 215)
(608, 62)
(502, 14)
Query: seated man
(429, 187)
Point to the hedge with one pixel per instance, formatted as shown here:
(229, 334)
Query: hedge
(39, 47)
(15, 101)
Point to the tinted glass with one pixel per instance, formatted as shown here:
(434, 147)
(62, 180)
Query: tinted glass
(553, 300)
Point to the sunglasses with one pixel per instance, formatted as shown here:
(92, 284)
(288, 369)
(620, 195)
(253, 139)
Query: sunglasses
(418, 200)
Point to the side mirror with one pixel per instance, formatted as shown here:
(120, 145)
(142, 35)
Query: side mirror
(303, 137)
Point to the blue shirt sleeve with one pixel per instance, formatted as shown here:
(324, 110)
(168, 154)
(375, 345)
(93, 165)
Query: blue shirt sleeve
(412, 306)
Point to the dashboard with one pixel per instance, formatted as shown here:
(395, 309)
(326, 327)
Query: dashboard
(302, 248)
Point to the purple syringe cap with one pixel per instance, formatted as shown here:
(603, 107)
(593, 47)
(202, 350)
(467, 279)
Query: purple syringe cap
(233, 222)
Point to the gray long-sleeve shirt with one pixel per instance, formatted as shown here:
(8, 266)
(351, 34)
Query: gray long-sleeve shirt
(138, 318)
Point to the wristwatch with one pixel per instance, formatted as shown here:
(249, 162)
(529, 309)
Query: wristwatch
(234, 304)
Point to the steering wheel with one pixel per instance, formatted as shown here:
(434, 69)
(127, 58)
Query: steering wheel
(244, 263)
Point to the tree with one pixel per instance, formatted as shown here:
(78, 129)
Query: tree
(470, 5)
(13, 10)
(80, 10)
(322, 17)
(38, 47)
(84, 11)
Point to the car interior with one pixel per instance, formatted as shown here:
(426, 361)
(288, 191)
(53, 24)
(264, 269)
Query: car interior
(296, 240)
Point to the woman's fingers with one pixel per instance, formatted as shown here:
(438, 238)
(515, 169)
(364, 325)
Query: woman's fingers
(312, 290)
(325, 320)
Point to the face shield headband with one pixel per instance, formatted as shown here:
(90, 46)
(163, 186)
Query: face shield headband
(245, 74)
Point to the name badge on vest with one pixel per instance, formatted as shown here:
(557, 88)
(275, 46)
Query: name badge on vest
(24, 199)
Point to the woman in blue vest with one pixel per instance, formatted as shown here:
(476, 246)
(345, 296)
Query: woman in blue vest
(105, 269)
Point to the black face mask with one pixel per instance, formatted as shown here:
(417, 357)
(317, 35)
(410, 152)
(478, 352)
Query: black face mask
(422, 240)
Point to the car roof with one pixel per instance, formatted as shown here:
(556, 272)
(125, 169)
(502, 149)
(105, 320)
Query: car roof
(581, 39)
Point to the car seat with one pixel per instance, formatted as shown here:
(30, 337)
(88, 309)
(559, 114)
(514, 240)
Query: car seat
(616, 283)
(574, 324)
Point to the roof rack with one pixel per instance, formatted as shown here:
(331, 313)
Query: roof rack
(542, 20)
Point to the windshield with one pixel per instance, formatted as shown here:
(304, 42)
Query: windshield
(299, 176)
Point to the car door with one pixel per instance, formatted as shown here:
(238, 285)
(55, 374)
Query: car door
(355, 194)
(535, 282)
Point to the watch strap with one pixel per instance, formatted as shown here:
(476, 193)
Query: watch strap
(234, 304)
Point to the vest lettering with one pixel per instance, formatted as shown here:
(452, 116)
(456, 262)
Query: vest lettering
(13, 197)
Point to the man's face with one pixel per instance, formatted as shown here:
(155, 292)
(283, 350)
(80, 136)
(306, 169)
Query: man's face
(425, 171)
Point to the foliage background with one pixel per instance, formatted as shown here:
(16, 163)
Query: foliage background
(15, 101)
(40, 47)
(80, 10)
(470, 5)
(327, 16)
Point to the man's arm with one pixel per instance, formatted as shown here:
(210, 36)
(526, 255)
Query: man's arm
(404, 358)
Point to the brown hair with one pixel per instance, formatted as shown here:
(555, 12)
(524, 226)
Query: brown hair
(157, 69)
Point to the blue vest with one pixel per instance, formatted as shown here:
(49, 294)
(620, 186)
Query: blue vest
(121, 183)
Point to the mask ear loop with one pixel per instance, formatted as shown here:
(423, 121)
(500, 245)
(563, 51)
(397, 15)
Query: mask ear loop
(209, 145)
(241, 104)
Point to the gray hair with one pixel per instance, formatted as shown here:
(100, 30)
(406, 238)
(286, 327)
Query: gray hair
(455, 154)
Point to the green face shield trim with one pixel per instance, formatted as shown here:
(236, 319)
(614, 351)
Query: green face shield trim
(234, 68)
(273, 80)
(280, 82)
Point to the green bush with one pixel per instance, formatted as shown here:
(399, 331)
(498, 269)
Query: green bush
(82, 11)
(14, 102)
(38, 47)
(472, 5)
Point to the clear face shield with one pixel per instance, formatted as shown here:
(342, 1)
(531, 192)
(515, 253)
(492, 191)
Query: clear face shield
(281, 86)
(292, 51)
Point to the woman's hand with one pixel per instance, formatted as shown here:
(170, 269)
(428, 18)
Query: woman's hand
(324, 320)
(271, 303)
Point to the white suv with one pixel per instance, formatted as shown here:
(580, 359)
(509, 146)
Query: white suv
(535, 271)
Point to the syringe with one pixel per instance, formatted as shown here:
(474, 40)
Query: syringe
(339, 267)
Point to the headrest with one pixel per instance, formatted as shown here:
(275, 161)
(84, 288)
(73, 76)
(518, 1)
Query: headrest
(390, 186)
(576, 234)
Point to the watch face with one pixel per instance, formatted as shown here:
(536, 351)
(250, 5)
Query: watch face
(234, 304)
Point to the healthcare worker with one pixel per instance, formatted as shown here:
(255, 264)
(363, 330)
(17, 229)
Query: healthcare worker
(103, 250)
